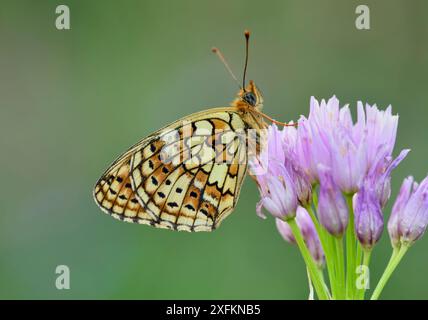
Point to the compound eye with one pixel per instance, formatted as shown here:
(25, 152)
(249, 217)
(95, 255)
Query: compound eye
(250, 98)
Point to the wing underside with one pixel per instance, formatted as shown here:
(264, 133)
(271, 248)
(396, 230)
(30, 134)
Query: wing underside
(186, 177)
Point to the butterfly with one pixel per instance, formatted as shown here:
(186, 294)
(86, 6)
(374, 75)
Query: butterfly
(188, 175)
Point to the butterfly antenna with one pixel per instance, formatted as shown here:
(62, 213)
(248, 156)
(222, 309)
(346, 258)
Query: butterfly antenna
(273, 120)
(223, 60)
(247, 38)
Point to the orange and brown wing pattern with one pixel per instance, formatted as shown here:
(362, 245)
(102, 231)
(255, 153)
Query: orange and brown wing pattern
(190, 176)
(187, 176)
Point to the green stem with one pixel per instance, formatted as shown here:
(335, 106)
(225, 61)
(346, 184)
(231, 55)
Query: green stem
(350, 251)
(327, 242)
(393, 263)
(311, 287)
(315, 197)
(321, 274)
(317, 281)
(340, 265)
(359, 254)
(323, 235)
(333, 264)
(314, 219)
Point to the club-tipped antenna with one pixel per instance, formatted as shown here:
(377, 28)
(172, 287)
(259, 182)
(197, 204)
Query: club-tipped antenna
(247, 38)
(223, 60)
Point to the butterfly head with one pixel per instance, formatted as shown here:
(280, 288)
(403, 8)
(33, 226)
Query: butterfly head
(251, 97)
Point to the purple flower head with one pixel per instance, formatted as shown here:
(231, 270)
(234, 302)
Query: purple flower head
(307, 228)
(409, 217)
(332, 208)
(368, 216)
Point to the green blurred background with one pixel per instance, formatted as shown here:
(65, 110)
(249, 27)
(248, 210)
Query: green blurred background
(71, 101)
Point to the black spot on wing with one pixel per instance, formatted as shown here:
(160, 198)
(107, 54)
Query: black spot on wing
(151, 166)
(190, 207)
(161, 194)
(172, 204)
(154, 181)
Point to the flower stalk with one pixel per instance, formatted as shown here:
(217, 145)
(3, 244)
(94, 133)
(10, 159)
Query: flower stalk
(326, 246)
(340, 276)
(392, 265)
(350, 251)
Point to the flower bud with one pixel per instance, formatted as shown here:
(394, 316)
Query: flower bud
(332, 208)
(368, 217)
(302, 185)
(400, 203)
(410, 218)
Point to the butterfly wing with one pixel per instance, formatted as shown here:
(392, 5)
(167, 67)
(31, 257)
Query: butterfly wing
(186, 176)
